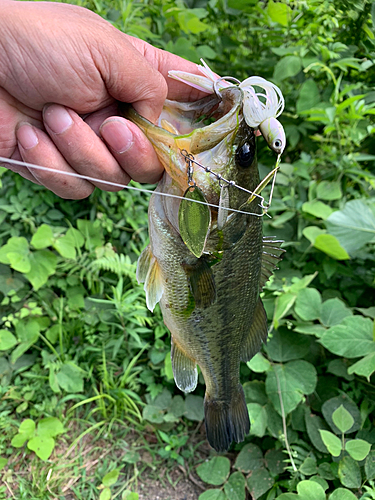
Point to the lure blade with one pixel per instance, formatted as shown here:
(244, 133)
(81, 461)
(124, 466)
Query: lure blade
(194, 220)
(222, 215)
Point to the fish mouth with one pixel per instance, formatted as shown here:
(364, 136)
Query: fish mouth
(206, 122)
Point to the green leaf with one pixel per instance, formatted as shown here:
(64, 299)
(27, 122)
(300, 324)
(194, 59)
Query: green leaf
(70, 378)
(274, 461)
(153, 414)
(358, 449)
(352, 338)
(342, 419)
(310, 490)
(111, 478)
(318, 209)
(331, 405)
(255, 391)
(7, 340)
(329, 190)
(213, 494)
(308, 96)
(258, 482)
(332, 442)
(214, 471)
(258, 419)
(370, 466)
(342, 494)
(308, 304)
(330, 245)
(312, 232)
(42, 446)
(235, 487)
(249, 458)
(128, 495)
(65, 246)
(92, 232)
(105, 494)
(194, 220)
(168, 366)
(286, 345)
(3, 462)
(194, 408)
(19, 440)
(292, 381)
(334, 311)
(27, 428)
(50, 427)
(364, 367)
(354, 226)
(308, 467)
(287, 67)
(279, 12)
(189, 22)
(43, 265)
(16, 253)
(43, 237)
(349, 473)
(259, 363)
(283, 304)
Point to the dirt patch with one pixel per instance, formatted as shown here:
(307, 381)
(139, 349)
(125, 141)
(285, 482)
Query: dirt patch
(185, 489)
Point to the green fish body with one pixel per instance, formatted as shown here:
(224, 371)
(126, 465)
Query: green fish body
(211, 303)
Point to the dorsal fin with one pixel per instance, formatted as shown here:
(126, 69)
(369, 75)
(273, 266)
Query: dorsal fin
(271, 255)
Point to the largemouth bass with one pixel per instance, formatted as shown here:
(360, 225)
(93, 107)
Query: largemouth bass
(210, 303)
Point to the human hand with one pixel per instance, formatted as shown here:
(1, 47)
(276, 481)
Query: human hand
(62, 70)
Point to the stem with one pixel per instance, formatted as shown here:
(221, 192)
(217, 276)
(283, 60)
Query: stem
(284, 421)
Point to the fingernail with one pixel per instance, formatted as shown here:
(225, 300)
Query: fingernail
(57, 118)
(27, 137)
(117, 135)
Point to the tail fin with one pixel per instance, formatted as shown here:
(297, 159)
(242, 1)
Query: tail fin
(226, 421)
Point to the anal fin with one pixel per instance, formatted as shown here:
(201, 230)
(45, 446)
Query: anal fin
(149, 273)
(257, 334)
(184, 369)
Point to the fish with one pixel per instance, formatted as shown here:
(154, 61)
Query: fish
(210, 300)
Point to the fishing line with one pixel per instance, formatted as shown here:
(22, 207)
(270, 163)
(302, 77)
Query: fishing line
(115, 184)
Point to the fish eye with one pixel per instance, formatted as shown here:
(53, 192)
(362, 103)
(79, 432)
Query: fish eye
(277, 144)
(245, 155)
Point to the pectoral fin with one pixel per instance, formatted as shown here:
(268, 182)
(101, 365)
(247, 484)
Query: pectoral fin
(201, 282)
(149, 273)
(184, 370)
(257, 334)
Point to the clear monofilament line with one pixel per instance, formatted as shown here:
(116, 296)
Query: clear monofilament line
(190, 158)
(116, 184)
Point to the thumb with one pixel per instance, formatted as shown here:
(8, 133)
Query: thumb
(130, 78)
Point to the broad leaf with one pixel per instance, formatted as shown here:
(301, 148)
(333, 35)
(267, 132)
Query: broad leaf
(310, 490)
(235, 487)
(352, 338)
(308, 305)
(350, 473)
(43, 237)
(7, 340)
(364, 367)
(354, 226)
(331, 405)
(342, 419)
(42, 446)
(258, 419)
(330, 245)
(258, 482)
(358, 449)
(332, 442)
(249, 458)
(214, 471)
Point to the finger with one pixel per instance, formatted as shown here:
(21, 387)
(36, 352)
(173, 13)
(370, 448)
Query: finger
(132, 78)
(36, 147)
(164, 62)
(82, 148)
(132, 149)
